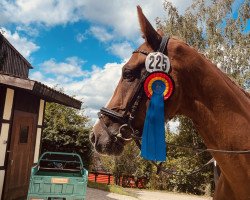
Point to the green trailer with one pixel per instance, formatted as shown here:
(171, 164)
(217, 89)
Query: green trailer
(58, 176)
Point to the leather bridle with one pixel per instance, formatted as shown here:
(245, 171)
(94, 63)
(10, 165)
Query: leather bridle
(129, 113)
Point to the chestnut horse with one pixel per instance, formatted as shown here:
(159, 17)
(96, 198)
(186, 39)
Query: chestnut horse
(219, 109)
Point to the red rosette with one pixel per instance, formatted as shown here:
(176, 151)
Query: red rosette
(158, 76)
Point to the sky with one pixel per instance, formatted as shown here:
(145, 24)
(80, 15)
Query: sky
(78, 45)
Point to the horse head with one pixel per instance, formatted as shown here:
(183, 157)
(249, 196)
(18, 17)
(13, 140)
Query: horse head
(125, 113)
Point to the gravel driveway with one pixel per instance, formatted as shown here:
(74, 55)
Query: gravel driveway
(94, 194)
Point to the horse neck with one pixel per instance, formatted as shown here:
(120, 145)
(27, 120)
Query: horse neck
(218, 108)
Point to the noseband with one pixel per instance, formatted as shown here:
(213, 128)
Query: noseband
(128, 115)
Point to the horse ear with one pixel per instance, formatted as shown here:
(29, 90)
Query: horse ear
(149, 33)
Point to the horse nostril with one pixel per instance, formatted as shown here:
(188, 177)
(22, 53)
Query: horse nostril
(92, 137)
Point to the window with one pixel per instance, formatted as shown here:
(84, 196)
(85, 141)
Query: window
(24, 133)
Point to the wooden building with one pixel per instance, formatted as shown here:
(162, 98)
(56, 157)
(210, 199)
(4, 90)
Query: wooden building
(22, 104)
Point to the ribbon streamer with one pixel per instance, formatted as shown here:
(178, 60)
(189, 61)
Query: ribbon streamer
(153, 137)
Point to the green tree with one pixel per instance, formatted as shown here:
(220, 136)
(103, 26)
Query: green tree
(66, 130)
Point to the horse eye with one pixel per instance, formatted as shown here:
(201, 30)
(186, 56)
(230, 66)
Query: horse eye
(128, 74)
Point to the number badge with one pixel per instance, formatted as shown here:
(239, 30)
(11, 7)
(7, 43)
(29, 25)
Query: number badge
(157, 61)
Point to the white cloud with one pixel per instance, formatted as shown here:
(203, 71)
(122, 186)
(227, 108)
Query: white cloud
(112, 20)
(71, 67)
(22, 44)
(120, 16)
(122, 50)
(31, 31)
(95, 90)
(101, 33)
(98, 88)
(37, 76)
(48, 12)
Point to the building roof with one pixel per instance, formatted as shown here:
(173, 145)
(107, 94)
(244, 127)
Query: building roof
(39, 89)
(11, 61)
(14, 49)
